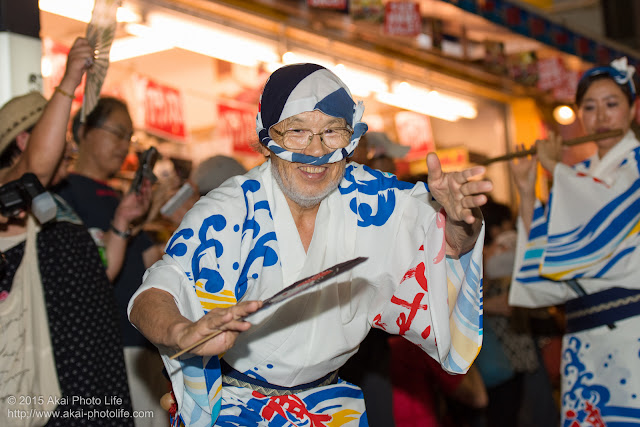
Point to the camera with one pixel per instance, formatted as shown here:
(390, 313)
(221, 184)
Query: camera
(24, 194)
(145, 170)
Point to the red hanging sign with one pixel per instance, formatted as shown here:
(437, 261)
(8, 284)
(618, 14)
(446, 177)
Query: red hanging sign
(238, 125)
(567, 91)
(402, 18)
(163, 112)
(414, 130)
(551, 73)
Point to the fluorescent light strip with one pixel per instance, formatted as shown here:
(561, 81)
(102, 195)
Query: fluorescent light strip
(80, 10)
(221, 43)
(209, 40)
(131, 47)
(361, 83)
(418, 105)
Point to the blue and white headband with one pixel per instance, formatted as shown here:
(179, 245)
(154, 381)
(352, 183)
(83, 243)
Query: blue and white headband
(298, 88)
(619, 70)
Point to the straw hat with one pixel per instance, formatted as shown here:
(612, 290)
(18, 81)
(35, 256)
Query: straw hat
(19, 114)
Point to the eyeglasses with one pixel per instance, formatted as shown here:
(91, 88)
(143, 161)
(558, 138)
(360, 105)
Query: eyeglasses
(118, 133)
(299, 139)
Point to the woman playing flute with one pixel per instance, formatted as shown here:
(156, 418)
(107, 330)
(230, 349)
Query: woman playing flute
(581, 249)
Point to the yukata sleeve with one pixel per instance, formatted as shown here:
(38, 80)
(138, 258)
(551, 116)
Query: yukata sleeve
(528, 287)
(594, 227)
(590, 231)
(438, 303)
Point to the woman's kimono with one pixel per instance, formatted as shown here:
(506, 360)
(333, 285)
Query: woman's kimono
(240, 242)
(582, 251)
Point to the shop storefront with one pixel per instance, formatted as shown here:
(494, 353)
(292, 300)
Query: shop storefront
(445, 79)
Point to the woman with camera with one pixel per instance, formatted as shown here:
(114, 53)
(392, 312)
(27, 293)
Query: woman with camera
(59, 340)
(114, 220)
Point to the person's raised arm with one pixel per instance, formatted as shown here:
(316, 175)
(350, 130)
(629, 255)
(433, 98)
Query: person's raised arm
(156, 315)
(524, 171)
(461, 195)
(132, 207)
(47, 142)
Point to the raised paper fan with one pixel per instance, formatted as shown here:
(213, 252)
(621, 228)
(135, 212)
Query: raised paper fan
(100, 33)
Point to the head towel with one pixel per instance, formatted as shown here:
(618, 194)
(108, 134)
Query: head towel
(298, 88)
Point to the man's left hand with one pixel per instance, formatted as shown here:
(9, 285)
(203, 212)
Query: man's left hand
(459, 193)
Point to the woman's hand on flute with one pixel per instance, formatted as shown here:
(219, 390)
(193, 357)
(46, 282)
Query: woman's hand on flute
(523, 170)
(549, 151)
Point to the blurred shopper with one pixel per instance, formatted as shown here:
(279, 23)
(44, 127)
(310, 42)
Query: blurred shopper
(60, 346)
(208, 175)
(581, 249)
(425, 395)
(114, 221)
(378, 151)
(509, 355)
(215, 170)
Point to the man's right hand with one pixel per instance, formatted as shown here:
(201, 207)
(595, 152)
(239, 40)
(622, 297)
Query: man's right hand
(227, 320)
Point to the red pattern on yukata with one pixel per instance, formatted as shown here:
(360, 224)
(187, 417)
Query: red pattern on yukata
(293, 405)
(403, 321)
(441, 220)
(594, 418)
(378, 322)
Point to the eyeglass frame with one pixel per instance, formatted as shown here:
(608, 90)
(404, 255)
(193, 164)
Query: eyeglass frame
(320, 134)
(116, 132)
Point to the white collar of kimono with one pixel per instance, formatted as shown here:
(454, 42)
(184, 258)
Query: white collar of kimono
(603, 167)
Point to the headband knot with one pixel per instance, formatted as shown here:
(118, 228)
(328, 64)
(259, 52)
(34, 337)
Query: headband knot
(619, 70)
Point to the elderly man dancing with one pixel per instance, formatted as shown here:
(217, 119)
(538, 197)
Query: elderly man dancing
(300, 212)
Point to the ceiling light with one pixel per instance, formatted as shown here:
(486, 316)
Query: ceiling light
(417, 105)
(211, 40)
(429, 102)
(361, 83)
(131, 47)
(80, 10)
(564, 114)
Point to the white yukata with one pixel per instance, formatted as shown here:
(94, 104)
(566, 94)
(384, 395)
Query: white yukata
(590, 233)
(239, 242)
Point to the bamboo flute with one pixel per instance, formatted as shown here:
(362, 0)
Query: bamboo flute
(568, 142)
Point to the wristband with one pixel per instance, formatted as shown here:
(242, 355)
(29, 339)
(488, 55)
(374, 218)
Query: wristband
(123, 234)
(64, 92)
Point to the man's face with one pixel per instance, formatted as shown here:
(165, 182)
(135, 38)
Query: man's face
(307, 185)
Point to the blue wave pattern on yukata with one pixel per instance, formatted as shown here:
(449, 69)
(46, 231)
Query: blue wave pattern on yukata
(321, 407)
(382, 184)
(211, 234)
(589, 401)
(260, 248)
